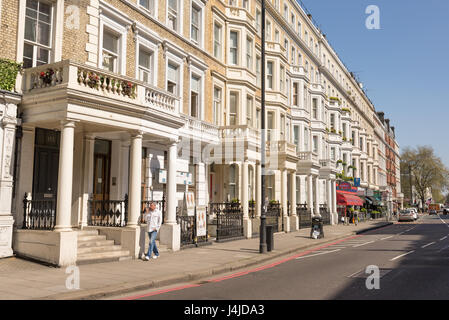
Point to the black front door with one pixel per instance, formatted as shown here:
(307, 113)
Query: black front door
(46, 164)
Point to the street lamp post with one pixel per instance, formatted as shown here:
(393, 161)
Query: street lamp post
(263, 217)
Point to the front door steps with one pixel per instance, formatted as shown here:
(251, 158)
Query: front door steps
(95, 248)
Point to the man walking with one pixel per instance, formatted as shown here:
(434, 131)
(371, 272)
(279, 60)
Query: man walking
(153, 219)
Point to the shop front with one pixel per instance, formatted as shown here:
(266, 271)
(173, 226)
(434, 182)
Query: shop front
(347, 201)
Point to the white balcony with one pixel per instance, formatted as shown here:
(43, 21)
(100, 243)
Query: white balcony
(200, 130)
(98, 96)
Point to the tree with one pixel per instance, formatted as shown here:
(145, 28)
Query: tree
(424, 170)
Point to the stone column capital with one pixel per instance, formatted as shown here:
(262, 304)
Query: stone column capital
(68, 123)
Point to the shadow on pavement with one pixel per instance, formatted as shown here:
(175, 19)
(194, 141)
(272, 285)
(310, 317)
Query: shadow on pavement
(423, 274)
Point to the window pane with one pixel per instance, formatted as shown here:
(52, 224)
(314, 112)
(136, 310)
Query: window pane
(30, 29)
(172, 73)
(145, 59)
(27, 56)
(43, 35)
(110, 42)
(172, 4)
(42, 56)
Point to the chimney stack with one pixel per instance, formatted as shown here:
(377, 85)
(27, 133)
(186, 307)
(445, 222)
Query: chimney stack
(381, 116)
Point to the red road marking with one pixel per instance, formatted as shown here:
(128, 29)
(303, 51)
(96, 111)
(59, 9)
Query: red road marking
(239, 274)
(161, 292)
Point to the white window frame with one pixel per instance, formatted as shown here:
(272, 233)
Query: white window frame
(152, 8)
(236, 113)
(236, 63)
(220, 42)
(179, 15)
(151, 47)
(217, 105)
(35, 45)
(271, 86)
(200, 7)
(121, 32)
(249, 53)
(194, 71)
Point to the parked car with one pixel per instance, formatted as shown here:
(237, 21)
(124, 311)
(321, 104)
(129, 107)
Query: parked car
(406, 215)
(432, 211)
(445, 210)
(415, 213)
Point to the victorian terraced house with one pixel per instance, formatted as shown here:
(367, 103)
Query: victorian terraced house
(125, 101)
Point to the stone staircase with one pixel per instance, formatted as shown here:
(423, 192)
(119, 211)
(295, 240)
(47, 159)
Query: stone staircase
(95, 248)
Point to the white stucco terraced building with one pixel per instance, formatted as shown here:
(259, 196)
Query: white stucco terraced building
(126, 101)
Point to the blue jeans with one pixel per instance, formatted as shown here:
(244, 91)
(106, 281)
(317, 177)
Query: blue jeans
(152, 248)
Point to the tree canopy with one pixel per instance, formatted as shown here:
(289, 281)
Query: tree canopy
(426, 169)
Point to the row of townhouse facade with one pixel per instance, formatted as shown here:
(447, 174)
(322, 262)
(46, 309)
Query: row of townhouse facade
(125, 101)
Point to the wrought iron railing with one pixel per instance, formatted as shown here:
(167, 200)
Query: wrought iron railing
(325, 214)
(108, 213)
(229, 217)
(189, 231)
(39, 214)
(305, 218)
(252, 210)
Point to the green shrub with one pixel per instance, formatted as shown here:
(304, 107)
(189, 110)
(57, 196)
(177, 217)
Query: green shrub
(8, 74)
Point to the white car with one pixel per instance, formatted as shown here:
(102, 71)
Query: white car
(415, 213)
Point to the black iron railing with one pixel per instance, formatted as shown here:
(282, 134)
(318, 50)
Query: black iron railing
(160, 205)
(188, 226)
(325, 214)
(273, 216)
(229, 217)
(108, 213)
(189, 235)
(39, 214)
(252, 210)
(305, 218)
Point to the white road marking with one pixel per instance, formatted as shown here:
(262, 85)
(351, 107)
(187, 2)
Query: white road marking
(387, 238)
(317, 254)
(429, 244)
(443, 238)
(402, 255)
(359, 245)
(355, 273)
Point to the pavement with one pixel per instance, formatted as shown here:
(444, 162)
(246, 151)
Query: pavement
(25, 280)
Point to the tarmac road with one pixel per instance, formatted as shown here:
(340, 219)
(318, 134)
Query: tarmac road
(412, 259)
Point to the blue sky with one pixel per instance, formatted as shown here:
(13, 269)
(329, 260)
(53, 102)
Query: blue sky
(404, 66)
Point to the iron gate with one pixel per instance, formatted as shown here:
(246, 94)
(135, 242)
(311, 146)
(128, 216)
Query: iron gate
(305, 218)
(229, 218)
(189, 234)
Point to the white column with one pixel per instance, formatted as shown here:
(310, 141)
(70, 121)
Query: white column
(258, 190)
(317, 197)
(284, 200)
(293, 218)
(135, 180)
(89, 144)
(247, 228)
(170, 230)
(8, 122)
(65, 177)
(310, 193)
(329, 200)
(334, 200)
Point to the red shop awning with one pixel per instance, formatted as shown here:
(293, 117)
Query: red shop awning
(346, 199)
